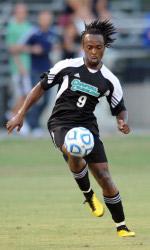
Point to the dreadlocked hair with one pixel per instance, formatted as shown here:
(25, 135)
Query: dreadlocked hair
(104, 28)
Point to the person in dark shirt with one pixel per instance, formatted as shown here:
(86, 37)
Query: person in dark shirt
(39, 43)
(82, 82)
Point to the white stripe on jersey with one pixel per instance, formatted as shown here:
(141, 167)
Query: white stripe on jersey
(77, 62)
(117, 93)
(63, 87)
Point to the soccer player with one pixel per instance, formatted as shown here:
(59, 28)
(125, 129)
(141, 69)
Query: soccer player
(82, 82)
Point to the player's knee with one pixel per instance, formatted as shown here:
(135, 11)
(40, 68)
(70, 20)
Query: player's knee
(106, 180)
(74, 161)
(107, 183)
(103, 175)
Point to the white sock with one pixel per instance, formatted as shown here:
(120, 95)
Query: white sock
(120, 224)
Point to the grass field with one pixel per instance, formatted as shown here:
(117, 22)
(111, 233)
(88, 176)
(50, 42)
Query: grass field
(41, 206)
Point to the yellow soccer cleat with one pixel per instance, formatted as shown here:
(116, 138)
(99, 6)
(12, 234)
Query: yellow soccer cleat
(123, 231)
(96, 206)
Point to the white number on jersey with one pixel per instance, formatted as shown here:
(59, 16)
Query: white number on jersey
(81, 101)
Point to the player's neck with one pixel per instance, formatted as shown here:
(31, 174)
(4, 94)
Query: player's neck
(91, 66)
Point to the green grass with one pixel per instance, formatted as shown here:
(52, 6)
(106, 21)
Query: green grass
(41, 206)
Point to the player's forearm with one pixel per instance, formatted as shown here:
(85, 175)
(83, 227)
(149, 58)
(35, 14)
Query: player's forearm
(33, 96)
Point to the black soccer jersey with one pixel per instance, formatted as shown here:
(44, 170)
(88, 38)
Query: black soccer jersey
(80, 89)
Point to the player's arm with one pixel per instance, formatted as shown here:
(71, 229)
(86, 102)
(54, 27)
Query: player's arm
(52, 77)
(117, 106)
(32, 97)
(48, 80)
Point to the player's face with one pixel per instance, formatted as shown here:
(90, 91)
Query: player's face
(93, 46)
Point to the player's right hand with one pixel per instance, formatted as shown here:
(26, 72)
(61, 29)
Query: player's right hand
(123, 127)
(15, 122)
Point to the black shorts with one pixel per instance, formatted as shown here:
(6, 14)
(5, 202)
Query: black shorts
(97, 155)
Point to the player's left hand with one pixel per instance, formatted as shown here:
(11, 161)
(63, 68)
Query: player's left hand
(123, 127)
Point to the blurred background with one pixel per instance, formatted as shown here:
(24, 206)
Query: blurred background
(36, 189)
(34, 36)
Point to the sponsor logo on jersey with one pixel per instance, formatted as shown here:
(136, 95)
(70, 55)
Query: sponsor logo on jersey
(77, 85)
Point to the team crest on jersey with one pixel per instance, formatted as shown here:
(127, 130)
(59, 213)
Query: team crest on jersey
(77, 85)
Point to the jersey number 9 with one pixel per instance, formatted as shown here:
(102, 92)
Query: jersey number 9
(81, 101)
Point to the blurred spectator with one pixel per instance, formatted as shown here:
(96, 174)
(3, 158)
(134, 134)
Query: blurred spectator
(39, 43)
(71, 42)
(66, 17)
(83, 13)
(146, 33)
(146, 38)
(77, 11)
(19, 62)
(101, 10)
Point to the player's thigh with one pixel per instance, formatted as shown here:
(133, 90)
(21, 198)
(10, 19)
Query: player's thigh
(97, 161)
(58, 136)
(99, 170)
(101, 173)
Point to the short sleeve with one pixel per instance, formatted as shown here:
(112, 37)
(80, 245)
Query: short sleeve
(115, 93)
(54, 76)
(115, 99)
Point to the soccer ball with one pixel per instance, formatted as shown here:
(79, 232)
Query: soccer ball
(79, 141)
